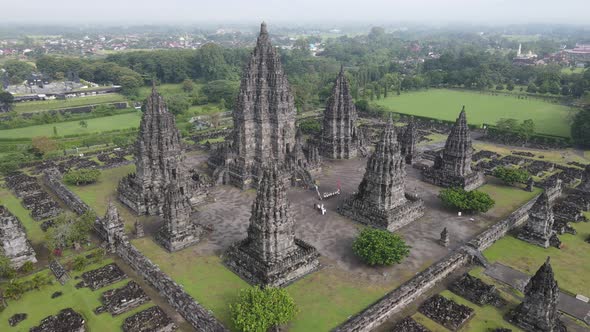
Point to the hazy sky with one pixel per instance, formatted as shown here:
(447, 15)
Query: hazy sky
(293, 11)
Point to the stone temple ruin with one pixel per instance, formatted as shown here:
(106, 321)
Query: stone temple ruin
(153, 319)
(66, 320)
(158, 155)
(13, 240)
(381, 200)
(111, 227)
(453, 167)
(340, 135)
(271, 255)
(538, 310)
(264, 124)
(178, 231)
(538, 229)
(408, 139)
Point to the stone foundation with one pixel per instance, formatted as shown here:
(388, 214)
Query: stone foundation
(443, 179)
(299, 263)
(66, 321)
(153, 319)
(120, 300)
(180, 240)
(390, 220)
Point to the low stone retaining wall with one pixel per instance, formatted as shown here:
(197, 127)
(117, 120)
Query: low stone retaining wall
(200, 318)
(373, 316)
(52, 178)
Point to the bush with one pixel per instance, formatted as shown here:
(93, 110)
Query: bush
(511, 175)
(27, 267)
(81, 176)
(80, 262)
(310, 126)
(380, 247)
(6, 270)
(469, 201)
(581, 128)
(259, 309)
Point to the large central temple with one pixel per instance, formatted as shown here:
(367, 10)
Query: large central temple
(264, 123)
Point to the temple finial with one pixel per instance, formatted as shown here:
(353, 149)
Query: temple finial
(263, 30)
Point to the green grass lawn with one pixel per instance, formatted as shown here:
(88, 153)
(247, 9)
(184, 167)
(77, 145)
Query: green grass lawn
(44, 105)
(13, 204)
(482, 108)
(121, 121)
(325, 298)
(507, 198)
(562, 156)
(571, 263)
(38, 304)
(167, 89)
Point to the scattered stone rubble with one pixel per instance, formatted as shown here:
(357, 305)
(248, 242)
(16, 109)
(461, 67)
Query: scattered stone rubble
(33, 196)
(13, 240)
(66, 320)
(120, 300)
(446, 312)
(101, 277)
(153, 319)
(58, 271)
(16, 318)
(477, 291)
(409, 325)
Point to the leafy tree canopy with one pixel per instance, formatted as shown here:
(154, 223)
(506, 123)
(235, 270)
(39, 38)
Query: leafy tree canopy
(380, 247)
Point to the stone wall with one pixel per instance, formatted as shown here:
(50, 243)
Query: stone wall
(396, 300)
(200, 318)
(52, 178)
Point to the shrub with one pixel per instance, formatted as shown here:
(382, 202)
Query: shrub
(259, 309)
(310, 126)
(27, 267)
(6, 270)
(469, 201)
(81, 176)
(380, 247)
(80, 262)
(511, 175)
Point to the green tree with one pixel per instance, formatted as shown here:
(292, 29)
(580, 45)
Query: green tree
(469, 201)
(509, 125)
(259, 309)
(380, 247)
(17, 70)
(83, 124)
(27, 267)
(80, 262)
(510, 86)
(178, 103)
(188, 85)
(581, 128)
(532, 88)
(6, 270)
(510, 175)
(54, 131)
(526, 130)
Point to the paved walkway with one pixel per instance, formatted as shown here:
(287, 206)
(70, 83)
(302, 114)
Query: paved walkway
(517, 279)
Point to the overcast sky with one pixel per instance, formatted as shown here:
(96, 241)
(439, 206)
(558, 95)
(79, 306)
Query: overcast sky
(294, 11)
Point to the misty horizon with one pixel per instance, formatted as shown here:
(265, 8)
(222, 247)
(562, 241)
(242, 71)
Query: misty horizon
(326, 12)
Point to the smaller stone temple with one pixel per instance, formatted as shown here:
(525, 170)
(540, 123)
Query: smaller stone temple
(538, 310)
(111, 227)
(408, 139)
(271, 255)
(381, 200)
(158, 153)
(178, 231)
(453, 167)
(13, 240)
(340, 138)
(538, 229)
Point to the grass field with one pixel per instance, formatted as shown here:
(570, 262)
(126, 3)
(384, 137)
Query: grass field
(38, 304)
(121, 121)
(325, 298)
(34, 106)
(571, 263)
(507, 198)
(482, 108)
(562, 156)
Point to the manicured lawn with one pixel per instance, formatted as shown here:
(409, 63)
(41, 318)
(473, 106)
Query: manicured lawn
(121, 121)
(13, 204)
(562, 156)
(482, 108)
(97, 195)
(38, 304)
(571, 263)
(507, 198)
(325, 298)
(44, 105)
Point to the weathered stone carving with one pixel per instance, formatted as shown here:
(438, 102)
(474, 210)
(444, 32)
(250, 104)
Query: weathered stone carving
(110, 228)
(139, 232)
(271, 255)
(178, 231)
(381, 200)
(339, 134)
(158, 157)
(538, 310)
(444, 238)
(538, 229)
(453, 167)
(13, 240)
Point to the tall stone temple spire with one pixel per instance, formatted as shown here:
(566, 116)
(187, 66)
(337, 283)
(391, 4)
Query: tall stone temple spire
(538, 310)
(264, 117)
(381, 200)
(271, 255)
(178, 230)
(339, 134)
(158, 158)
(538, 229)
(111, 227)
(408, 140)
(453, 167)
